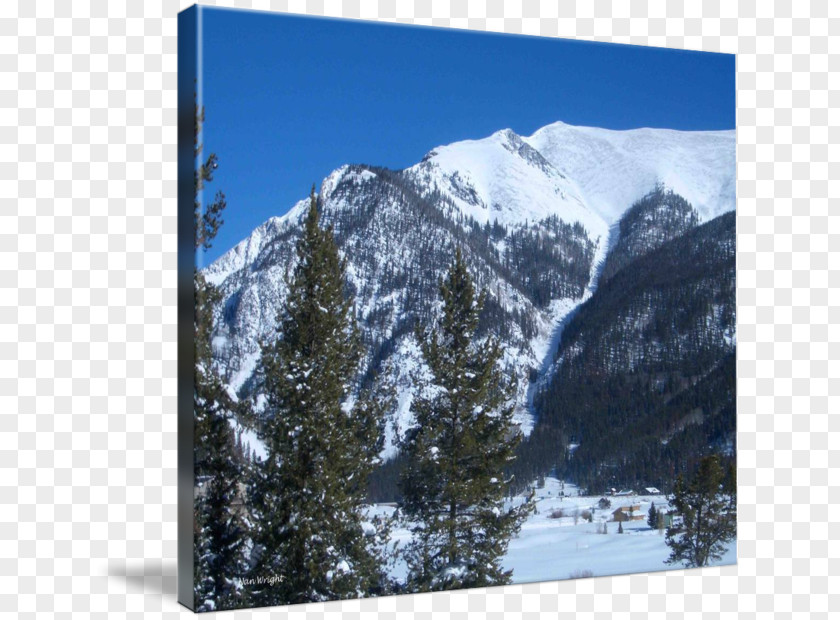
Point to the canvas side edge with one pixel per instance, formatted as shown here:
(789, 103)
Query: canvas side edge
(187, 80)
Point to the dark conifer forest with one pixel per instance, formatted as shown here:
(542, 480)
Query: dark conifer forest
(645, 381)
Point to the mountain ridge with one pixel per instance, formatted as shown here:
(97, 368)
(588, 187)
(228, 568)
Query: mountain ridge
(614, 168)
(529, 234)
(548, 137)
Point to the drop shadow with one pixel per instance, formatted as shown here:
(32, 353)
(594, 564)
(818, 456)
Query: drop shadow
(158, 577)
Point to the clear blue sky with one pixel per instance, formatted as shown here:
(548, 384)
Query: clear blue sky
(288, 98)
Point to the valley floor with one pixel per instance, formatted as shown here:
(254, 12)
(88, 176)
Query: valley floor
(548, 549)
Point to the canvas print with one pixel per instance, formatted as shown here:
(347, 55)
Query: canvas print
(456, 309)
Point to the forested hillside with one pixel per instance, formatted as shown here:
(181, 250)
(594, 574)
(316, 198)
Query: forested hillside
(614, 306)
(645, 379)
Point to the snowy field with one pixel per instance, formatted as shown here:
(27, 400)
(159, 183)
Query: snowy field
(549, 549)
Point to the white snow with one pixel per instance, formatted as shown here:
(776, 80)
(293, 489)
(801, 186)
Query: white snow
(244, 253)
(612, 168)
(246, 369)
(489, 180)
(560, 311)
(549, 548)
(402, 374)
(250, 441)
(219, 343)
(343, 173)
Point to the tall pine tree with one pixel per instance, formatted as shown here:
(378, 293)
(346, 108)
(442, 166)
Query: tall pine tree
(453, 491)
(220, 532)
(311, 537)
(653, 517)
(707, 510)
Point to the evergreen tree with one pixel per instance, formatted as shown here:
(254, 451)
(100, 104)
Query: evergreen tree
(730, 488)
(653, 516)
(311, 537)
(220, 532)
(208, 215)
(464, 436)
(706, 507)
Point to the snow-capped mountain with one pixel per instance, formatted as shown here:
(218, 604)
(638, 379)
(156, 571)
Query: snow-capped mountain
(533, 216)
(613, 169)
(504, 179)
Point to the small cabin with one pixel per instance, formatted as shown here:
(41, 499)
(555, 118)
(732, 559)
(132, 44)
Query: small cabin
(624, 513)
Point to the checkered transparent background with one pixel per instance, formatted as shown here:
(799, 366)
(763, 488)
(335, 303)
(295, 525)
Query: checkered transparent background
(88, 307)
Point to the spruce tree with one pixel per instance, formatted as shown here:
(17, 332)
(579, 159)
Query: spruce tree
(311, 538)
(207, 215)
(730, 488)
(220, 532)
(708, 520)
(653, 516)
(464, 436)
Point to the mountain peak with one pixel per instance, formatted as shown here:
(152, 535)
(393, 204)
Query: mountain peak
(579, 174)
(347, 174)
(615, 168)
(554, 125)
(507, 134)
(503, 178)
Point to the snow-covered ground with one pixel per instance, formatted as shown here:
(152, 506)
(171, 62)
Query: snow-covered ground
(548, 549)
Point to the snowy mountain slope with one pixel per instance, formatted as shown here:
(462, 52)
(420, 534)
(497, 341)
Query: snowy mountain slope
(613, 169)
(398, 240)
(502, 178)
(644, 381)
(244, 253)
(534, 227)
